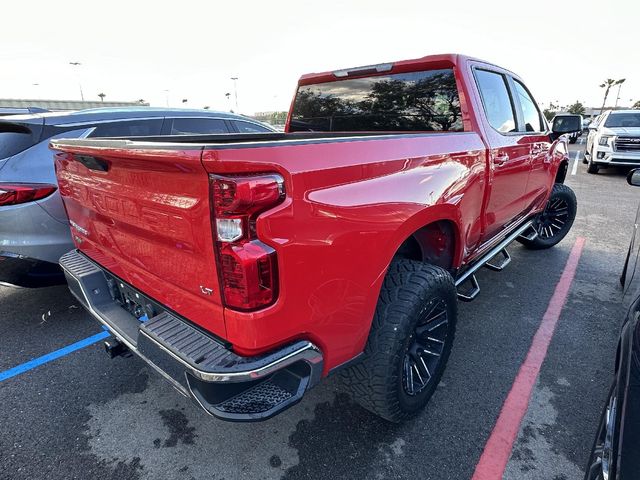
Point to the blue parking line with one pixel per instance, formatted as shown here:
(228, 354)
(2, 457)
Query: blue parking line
(49, 357)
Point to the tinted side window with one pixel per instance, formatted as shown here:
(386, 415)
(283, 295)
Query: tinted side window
(496, 101)
(530, 112)
(248, 127)
(17, 137)
(414, 101)
(133, 128)
(196, 126)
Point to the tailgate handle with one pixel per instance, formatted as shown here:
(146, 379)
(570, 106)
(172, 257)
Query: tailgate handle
(93, 163)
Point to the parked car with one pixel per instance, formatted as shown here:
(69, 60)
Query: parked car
(614, 139)
(5, 111)
(246, 269)
(616, 451)
(34, 231)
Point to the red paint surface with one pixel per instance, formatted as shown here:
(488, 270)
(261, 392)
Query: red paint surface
(497, 451)
(349, 206)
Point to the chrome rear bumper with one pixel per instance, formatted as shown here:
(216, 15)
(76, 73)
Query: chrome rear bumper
(200, 366)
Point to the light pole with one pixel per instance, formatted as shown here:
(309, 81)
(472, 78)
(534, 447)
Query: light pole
(78, 64)
(166, 96)
(235, 90)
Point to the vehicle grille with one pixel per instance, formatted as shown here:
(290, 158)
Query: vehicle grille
(628, 144)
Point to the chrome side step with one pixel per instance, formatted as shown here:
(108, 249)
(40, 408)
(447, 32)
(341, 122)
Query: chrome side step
(526, 230)
(506, 260)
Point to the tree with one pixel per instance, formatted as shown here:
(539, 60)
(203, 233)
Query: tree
(577, 108)
(102, 95)
(636, 105)
(609, 82)
(550, 112)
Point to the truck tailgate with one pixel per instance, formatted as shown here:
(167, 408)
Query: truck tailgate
(144, 216)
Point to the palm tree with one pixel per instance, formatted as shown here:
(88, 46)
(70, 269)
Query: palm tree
(610, 82)
(619, 83)
(102, 95)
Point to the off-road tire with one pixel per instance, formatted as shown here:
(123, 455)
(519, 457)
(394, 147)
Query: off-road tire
(409, 290)
(563, 193)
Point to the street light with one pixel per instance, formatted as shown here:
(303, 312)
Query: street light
(235, 90)
(78, 64)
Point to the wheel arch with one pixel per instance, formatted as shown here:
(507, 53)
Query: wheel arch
(561, 173)
(433, 237)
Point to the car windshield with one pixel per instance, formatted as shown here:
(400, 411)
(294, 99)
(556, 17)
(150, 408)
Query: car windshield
(415, 101)
(631, 119)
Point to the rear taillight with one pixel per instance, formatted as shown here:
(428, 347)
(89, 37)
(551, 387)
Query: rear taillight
(15, 193)
(248, 268)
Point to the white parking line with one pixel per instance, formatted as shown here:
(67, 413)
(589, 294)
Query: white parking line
(574, 169)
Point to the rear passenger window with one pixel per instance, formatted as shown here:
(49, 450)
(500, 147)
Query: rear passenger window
(248, 127)
(530, 112)
(496, 100)
(197, 126)
(133, 128)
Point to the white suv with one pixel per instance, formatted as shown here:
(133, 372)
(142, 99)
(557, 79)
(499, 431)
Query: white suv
(614, 139)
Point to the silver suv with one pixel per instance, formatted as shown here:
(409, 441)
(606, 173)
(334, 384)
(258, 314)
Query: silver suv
(614, 139)
(34, 229)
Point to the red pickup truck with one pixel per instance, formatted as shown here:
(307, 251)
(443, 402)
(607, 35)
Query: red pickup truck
(245, 268)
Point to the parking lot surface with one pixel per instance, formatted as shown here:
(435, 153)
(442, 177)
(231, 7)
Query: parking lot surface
(85, 416)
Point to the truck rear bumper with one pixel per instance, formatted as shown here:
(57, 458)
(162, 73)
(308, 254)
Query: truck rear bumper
(224, 384)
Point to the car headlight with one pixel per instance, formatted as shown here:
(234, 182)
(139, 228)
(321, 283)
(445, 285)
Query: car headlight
(604, 140)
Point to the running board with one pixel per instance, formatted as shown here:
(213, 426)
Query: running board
(525, 231)
(529, 234)
(506, 260)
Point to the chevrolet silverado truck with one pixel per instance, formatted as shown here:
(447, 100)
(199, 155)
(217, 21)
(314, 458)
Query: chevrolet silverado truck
(246, 268)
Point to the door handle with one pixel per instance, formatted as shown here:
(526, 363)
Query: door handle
(500, 159)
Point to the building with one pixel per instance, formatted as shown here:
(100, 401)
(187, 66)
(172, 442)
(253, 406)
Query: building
(57, 105)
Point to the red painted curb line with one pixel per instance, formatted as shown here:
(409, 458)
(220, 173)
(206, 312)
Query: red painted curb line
(497, 450)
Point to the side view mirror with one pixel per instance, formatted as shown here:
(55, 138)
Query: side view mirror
(633, 178)
(592, 127)
(565, 123)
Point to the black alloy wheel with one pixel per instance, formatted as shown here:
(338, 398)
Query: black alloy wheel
(425, 349)
(553, 219)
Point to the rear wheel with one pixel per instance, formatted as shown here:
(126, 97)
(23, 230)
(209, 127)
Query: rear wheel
(602, 461)
(409, 343)
(556, 220)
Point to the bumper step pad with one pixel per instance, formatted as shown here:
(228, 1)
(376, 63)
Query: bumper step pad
(223, 383)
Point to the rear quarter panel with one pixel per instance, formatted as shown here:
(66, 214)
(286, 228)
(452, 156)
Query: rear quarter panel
(350, 205)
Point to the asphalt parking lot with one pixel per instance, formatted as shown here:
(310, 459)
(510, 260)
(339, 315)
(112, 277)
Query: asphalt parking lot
(85, 416)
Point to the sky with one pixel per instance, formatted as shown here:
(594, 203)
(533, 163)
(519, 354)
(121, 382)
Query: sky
(164, 52)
